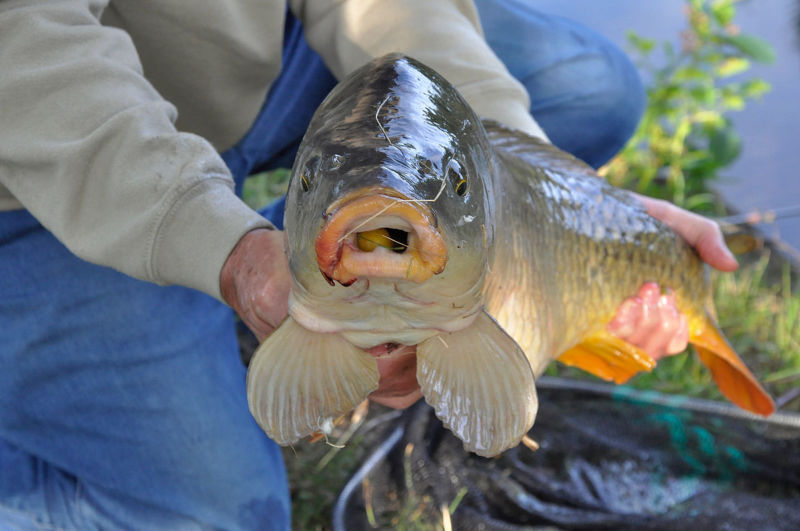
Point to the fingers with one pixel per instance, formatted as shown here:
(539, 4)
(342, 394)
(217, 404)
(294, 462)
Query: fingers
(665, 324)
(648, 315)
(680, 340)
(701, 233)
(398, 387)
(255, 280)
(652, 322)
(628, 314)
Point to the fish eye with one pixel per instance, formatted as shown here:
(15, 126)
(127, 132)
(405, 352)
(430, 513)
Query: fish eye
(461, 187)
(457, 180)
(311, 167)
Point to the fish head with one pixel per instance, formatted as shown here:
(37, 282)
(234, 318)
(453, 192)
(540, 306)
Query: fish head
(391, 187)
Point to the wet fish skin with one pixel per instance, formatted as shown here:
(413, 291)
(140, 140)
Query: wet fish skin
(391, 128)
(517, 254)
(577, 247)
(582, 246)
(393, 132)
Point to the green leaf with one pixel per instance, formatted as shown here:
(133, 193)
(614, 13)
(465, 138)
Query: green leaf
(755, 88)
(731, 66)
(753, 47)
(642, 44)
(699, 201)
(703, 94)
(723, 11)
(733, 101)
(725, 145)
(708, 118)
(690, 73)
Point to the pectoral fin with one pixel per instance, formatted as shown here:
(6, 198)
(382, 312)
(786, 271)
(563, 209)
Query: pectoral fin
(608, 357)
(480, 384)
(732, 376)
(300, 379)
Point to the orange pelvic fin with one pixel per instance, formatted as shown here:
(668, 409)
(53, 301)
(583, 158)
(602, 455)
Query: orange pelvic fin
(732, 376)
(608, 357)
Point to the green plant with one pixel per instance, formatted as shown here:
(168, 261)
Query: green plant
(685, 139)
(314, 488)
(686, 136)
(263, 188)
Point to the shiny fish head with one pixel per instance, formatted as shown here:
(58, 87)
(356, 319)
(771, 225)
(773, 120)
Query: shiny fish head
(394, 149)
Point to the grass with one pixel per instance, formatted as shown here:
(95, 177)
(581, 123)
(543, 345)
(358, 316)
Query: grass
(263, 188)
(760, 312)
(314, 488)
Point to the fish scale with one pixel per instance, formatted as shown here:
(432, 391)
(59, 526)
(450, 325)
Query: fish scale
(593, 273)
(514, 254)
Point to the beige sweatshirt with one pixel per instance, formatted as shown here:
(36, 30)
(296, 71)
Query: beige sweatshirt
(112, 113)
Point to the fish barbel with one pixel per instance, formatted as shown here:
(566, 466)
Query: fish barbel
(411, 222)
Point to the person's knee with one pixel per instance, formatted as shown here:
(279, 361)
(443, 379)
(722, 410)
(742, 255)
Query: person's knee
(589, 104)
(584, 91)
(216, 464)
(211, 488)
(239, 499)
(248, 491)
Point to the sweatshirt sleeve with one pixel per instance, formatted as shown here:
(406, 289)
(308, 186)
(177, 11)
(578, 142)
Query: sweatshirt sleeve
(446, 35)
(89, 148)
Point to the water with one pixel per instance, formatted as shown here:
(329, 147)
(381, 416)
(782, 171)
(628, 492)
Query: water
(767, 173)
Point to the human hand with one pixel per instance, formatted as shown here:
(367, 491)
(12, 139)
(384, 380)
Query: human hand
(255, 280)
(700, 232)
(398, 387)
(652, 322)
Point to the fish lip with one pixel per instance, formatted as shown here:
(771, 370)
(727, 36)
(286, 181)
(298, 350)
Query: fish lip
(340, 259)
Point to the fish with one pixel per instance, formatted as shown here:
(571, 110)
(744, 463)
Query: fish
(410, 221)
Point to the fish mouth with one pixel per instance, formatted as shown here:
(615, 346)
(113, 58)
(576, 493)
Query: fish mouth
(379, 233)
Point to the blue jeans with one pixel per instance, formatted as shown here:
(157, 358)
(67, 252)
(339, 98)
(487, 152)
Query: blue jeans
(122, 403)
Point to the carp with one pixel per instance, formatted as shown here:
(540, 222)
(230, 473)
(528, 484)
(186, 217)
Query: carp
(409, 221)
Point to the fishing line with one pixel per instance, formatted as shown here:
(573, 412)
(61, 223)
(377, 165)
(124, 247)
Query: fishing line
(770, 217)
(377, 112)
(762, 216)
(400, 245)
(396, 201)
(387, 207)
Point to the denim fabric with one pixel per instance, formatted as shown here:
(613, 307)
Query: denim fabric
(122, 403)
(585, 93)
(273, 139)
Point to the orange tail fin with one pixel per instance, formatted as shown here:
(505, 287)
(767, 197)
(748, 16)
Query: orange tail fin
(730, 373)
